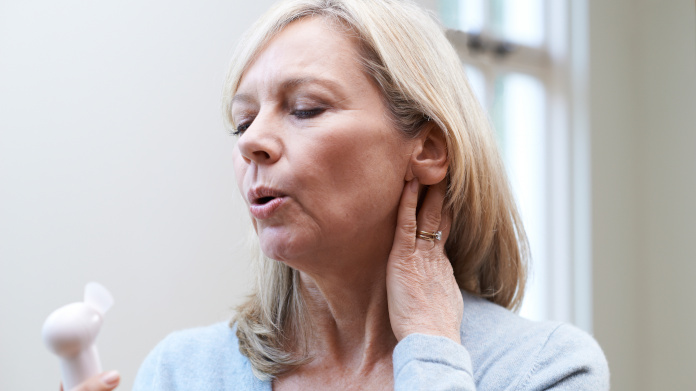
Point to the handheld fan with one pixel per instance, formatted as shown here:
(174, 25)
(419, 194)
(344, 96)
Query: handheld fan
(70, 332)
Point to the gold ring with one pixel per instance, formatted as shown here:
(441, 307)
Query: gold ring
(431, 236)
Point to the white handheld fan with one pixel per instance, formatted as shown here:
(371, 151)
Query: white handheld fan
(70, 332)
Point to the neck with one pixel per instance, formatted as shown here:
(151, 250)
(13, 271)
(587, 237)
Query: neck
(349, 316)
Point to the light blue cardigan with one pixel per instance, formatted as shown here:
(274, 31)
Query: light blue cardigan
(499, 351)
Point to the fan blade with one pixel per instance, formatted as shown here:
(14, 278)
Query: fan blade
(98, 297)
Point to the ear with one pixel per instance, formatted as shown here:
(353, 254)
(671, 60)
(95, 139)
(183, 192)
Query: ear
(429, 157)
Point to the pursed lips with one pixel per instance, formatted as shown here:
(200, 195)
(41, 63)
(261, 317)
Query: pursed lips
(264, 201)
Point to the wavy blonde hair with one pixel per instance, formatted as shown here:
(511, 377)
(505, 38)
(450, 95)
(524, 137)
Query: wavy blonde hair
(404, 50)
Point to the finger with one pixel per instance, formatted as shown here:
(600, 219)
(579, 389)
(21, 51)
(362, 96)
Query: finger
(405, 236)
(430, 214)
(445, 225)
(106, 381)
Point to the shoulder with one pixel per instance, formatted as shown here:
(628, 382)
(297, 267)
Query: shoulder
(200, 341)
(544, 354)
(204, 358)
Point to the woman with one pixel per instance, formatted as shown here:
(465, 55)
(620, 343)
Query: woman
(391, 248)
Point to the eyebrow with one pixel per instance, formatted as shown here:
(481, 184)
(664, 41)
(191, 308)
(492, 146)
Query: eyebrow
(296, 82)
(290, 84)
(246, 98)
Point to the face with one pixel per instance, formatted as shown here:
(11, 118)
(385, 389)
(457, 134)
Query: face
(318, 161)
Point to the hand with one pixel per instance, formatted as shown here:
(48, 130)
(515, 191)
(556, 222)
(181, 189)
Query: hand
(422, 293)
(106, 381)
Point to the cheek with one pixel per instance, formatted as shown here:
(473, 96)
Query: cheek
(360, 172)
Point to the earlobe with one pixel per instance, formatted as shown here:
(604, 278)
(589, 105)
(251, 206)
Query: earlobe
(429, 161)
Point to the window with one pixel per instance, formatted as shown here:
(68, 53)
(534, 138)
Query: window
(517, 56)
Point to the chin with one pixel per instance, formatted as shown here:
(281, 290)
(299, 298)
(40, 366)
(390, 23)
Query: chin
(283, 247)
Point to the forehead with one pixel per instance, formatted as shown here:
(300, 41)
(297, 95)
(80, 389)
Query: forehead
(312, 47)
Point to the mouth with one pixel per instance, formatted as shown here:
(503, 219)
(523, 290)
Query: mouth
(264, 201)
(263, 195)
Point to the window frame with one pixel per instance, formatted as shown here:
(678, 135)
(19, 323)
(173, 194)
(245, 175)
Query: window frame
(560, 66)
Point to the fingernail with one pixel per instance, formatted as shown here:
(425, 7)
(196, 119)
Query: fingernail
(413, 186)
(110, 378)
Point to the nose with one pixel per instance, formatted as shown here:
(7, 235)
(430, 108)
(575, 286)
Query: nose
(260, 143)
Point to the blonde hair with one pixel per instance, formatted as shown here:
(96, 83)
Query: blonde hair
(404, 50)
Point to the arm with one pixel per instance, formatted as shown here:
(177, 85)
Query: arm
(427, 362)
(569, 360)
(425, 304)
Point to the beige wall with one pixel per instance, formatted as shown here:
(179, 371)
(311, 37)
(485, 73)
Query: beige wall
(643, 129)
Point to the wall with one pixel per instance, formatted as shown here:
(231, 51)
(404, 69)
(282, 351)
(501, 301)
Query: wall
(642, 103)
(115, 167)
(613, 177)
(666, 160)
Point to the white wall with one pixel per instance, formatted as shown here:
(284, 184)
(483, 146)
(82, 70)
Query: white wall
(643, 130)
(115, 167)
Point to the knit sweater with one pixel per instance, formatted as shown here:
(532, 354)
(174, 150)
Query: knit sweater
(499, 351)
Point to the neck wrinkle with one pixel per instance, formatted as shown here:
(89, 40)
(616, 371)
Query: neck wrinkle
(349, 319)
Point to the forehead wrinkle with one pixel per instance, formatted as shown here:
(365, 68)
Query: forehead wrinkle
(304, 71)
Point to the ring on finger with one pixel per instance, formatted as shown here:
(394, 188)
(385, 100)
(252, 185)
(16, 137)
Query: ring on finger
(431, 236)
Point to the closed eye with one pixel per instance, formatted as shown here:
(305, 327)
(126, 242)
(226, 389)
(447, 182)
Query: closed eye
(241, 128)
(300, 114)
(305, 114)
